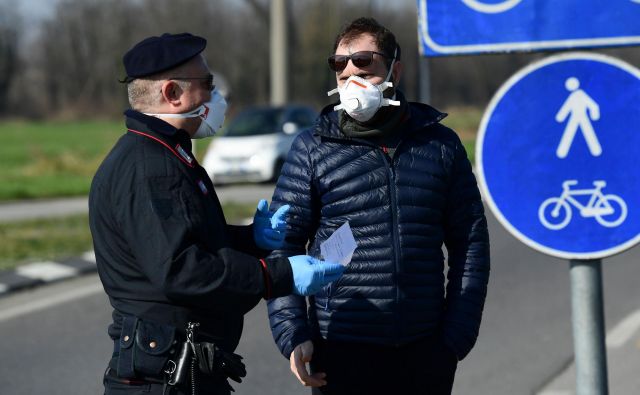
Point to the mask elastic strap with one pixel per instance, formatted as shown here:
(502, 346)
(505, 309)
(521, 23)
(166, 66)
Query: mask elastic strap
(194, 114)
(395, 53)
(388, 102)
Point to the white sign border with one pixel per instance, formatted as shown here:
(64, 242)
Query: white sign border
(488, 198)
(512, 46)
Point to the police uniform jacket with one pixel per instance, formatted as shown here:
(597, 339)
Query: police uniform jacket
(402, 208)
(163, 249)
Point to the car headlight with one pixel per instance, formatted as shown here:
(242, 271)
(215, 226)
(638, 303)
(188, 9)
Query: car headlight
(256, 160)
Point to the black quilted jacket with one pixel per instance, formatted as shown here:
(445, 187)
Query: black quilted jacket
(402, 210)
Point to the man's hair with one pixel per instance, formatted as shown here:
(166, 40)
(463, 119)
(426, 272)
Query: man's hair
(384, 39)
(145, 93)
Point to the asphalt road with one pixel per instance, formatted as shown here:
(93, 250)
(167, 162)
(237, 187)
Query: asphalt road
(54, 338)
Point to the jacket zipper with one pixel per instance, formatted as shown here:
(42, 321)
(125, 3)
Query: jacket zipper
(394, 231)
(326, 305)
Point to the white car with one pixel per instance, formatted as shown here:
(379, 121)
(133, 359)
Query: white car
(254, 145)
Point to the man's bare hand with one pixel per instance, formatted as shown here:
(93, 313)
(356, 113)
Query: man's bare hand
(300, 356)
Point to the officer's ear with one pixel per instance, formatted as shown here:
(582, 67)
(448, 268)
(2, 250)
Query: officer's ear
(171, 92)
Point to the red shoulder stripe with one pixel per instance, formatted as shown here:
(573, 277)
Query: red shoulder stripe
(163, 143)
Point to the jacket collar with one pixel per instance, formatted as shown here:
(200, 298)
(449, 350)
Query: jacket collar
(151, 125)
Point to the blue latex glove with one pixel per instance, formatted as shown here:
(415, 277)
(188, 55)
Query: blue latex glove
(268, 229)
(311, 274)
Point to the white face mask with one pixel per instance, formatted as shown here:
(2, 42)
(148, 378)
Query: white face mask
(211, 112)
(361, 99)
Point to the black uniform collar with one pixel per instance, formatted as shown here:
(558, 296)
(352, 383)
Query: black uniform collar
(148, 124)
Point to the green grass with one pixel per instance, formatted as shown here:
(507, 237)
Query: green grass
(51, 239)
(470, 147)
(465, 121)
(43, 239)
(53, 158)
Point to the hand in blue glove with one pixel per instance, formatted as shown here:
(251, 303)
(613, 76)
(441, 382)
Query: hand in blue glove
(311, 274)
(269, 230)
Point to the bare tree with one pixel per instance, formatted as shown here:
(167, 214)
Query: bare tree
(9, 32)
(75, 63)
(79, 55)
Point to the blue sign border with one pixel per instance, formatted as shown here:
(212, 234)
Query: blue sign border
(429, 47)
(488, 198)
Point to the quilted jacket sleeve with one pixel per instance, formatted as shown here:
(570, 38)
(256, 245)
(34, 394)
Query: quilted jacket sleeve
(288, 314)
(467, 242)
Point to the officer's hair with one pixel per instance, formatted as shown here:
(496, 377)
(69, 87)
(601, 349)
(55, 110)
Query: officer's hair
(384, 39)
(145, 93)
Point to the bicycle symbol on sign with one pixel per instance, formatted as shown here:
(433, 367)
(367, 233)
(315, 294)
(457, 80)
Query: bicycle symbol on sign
(609, 210)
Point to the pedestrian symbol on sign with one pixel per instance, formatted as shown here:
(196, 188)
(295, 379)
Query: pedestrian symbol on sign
(581, 110)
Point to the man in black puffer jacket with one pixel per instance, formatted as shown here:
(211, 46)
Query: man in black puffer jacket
(404, 183)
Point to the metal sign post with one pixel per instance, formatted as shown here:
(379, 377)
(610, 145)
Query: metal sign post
(588, 327)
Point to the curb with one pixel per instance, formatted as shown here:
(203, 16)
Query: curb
(40, 273)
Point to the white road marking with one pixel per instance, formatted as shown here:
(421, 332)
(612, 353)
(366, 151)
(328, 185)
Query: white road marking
(50, 301)
(555, 392)
(625, 329)
(46, 271)
(89, 256)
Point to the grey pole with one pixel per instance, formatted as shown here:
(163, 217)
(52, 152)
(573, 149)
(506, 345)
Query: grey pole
(425, 79)
(279, 49)
(588, 327)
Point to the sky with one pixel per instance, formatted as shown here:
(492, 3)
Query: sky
(35, 9)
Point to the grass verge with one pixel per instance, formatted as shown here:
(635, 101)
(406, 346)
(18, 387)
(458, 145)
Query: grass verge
(465, 121)
(49, 159)
(54, 159)
(56, 238)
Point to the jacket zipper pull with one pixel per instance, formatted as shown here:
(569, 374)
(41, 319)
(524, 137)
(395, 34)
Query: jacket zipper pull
(326, 305)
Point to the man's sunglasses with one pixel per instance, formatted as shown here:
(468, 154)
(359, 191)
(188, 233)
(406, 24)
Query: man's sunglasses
(359, 59)
(207, 81)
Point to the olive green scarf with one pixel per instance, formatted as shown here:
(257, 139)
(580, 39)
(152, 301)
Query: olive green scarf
(383, 129)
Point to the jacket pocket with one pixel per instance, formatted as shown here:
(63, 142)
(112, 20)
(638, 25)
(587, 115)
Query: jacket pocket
(125, 344)
(144, 347)
(152, 347)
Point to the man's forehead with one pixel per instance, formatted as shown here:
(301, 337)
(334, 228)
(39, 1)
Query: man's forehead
(364, 40)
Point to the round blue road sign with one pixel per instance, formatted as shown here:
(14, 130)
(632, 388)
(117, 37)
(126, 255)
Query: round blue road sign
(558, 155)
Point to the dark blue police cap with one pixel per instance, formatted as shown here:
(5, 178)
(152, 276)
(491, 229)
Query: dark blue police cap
(157, 54)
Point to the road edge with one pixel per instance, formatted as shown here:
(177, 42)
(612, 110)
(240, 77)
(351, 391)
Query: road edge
(45, 272)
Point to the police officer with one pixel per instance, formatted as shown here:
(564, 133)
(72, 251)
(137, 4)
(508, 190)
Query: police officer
(178, 276)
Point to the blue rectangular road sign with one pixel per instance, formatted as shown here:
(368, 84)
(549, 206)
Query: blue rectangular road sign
(456, 27)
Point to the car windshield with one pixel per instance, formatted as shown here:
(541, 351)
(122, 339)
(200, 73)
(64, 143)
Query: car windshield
(256, 121)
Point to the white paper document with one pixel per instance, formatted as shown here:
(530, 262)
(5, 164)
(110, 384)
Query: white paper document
(339, 247)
